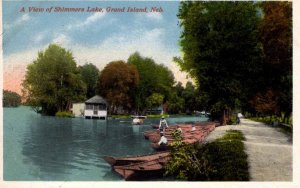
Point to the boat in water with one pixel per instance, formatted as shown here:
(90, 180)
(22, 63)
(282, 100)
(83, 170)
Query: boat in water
(117, 161)
(191, 133)
(138, 120)
(138, 167)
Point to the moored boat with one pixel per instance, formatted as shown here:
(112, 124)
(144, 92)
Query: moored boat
(138, 120)
(117, 161)
(190, 134)
(142, 169)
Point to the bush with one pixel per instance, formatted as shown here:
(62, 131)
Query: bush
(11, 99)
(120, 116)
(157, 115)
(64, 114)
(221, 160)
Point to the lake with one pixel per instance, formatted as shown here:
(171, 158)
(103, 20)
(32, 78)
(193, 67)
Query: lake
(45, 148)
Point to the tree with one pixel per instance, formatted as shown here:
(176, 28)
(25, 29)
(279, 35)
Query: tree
(154, 78)
(189, 95)
(175, 103)
(117, 81)
(11, 99)
(52, 81)
(154, 100)
(90, 74)
(266, 103)
(276, 37)
(221, 51)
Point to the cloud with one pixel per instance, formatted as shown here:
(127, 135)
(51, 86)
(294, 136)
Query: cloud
(149, 43)
(88, 21)
(20, 21)
(119, 46)
(37, 39)
(154, 16)
(62, 40)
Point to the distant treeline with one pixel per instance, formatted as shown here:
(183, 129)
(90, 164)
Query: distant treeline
(11, 99)
(54, 81)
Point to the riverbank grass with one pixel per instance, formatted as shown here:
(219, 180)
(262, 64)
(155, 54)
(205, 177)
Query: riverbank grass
(64, 114)
(221, 160)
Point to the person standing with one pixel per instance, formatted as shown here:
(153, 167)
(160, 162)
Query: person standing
(163, 125)
(238, 118)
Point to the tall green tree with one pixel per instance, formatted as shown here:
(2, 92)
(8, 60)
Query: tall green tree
(276, 37)
(154, 100)
(221, 51)
(52, 81)
(90, 74)
(189, 95)
(11, 99)
(154, 78)
(116, 83)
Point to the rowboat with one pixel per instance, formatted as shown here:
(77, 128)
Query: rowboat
(190, 134)
(138, 120)
(118, 161)
(142, 169)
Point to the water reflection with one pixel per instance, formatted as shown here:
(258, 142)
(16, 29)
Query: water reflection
(49, 148)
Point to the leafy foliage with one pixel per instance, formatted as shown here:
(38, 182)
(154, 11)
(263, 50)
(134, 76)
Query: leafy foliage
(11, 99)
(52, 81)
(266, 103)
(221, 160)
(221, 50)
(276, 38)
(64, 114)
(117, 81)
(154, 100)
(90, 74)
(154, 78)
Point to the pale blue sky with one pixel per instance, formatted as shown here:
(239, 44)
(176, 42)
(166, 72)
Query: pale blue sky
(97, 38)
(24, 31)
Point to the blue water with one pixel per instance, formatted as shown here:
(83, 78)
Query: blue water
(47, 148)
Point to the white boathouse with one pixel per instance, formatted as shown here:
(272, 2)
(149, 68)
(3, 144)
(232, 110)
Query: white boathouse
(95, 107)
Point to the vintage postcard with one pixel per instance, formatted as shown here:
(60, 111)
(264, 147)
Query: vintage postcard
(149, 91)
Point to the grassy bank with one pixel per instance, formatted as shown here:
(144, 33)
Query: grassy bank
(129, 116)
(221, 160)
(276, 121)
(64, 114)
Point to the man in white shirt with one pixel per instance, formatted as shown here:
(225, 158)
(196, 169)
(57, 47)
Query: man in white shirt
(163, 124)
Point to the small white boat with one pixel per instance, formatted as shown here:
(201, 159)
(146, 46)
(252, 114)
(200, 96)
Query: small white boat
(138, 120)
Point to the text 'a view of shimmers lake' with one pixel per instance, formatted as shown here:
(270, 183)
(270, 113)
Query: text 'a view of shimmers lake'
(147, 91)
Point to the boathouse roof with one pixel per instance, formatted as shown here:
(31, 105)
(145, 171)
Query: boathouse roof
(96, 100)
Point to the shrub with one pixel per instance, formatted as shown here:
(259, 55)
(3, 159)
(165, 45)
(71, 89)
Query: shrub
(64, 114)
(221, 160)
(157, 115)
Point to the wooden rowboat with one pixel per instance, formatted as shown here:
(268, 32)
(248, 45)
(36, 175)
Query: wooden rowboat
(118, 161)
(142, 169)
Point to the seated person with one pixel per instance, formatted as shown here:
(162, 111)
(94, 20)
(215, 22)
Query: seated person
(163, 140)
(193, 127)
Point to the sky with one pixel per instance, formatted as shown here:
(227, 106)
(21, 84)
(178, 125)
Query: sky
(92, 37)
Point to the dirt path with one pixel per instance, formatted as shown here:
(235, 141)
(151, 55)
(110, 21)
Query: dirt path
(270, 152)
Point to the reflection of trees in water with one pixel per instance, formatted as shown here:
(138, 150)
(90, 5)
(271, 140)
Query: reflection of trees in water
(47, 144)
(58, 146)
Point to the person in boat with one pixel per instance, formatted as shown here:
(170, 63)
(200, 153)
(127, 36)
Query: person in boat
(193, 127)
(163, 142)
(137, 120)
(163, 124)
